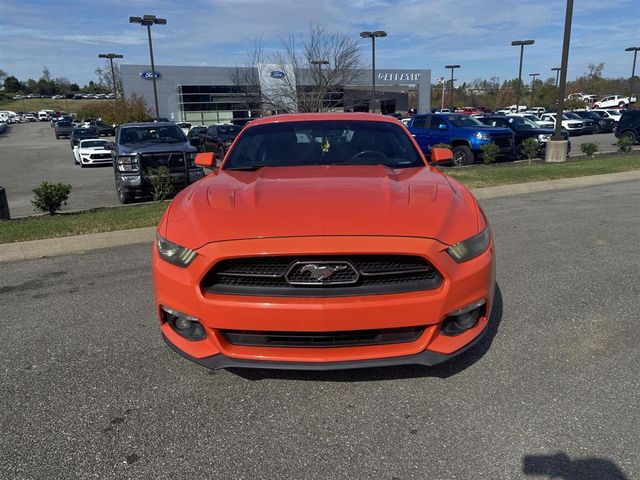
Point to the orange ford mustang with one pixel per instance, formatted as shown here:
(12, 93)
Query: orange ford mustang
(324, 241)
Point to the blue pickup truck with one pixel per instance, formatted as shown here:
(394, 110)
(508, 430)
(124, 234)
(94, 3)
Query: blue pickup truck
(465, 134)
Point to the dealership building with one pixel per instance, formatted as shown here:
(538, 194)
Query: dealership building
(206, 95)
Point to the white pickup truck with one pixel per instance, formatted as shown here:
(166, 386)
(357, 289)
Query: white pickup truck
(614, 101)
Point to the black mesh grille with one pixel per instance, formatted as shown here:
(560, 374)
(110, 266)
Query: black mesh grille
(323, 339)
(172, 160)
(284, 275)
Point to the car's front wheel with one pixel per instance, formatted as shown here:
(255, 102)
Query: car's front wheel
(630, 135)
(124, 194)
(462, 155)
(596, 129)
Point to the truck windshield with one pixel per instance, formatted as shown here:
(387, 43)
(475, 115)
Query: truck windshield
(463, 121)
(151, 134)
(330, 142)
(229, 129)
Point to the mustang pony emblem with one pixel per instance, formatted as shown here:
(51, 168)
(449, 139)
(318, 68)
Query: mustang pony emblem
(323, 272)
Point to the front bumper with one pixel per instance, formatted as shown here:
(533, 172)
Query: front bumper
(463, 284)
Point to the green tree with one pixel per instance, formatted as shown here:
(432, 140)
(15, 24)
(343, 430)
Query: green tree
(12, 84)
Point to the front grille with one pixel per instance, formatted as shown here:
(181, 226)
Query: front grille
(323, 339)
(322, 275)
(174, 161)
(503, 142)
(100, 156)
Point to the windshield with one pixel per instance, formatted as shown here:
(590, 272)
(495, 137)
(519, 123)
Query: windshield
(93, 143)
(64, 124)
(572, 116)
(613, 112)
(152, 134)
(330, 142)
(84, 132)
(229, 129)
(463, 121)
(523, 123)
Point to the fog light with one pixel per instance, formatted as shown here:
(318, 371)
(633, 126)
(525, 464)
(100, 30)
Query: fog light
(184, 325)
(463, 319)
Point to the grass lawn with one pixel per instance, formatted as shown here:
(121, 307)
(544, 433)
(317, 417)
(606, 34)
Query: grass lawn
(508, 173)
(35, 104)
(146, 215)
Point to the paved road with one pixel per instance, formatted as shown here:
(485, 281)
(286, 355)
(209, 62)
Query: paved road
(89, 390)
(30, 153)
(606, 143)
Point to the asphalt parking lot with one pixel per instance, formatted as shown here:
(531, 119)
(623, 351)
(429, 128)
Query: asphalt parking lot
(30, 153)
(90, 391)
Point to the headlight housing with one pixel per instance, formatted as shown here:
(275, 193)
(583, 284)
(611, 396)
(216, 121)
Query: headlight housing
(127, 163)
(191, 158)
(481, 136)
(173, 253)
(544, 137)
(471, 247)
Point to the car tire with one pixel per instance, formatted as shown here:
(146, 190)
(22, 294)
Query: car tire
(520, 155)
(596, 129)
(630, 135)
(622, 105)
(124, 195)
(462, 155)
(57, 137)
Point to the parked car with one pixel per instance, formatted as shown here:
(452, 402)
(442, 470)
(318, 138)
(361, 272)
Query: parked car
(185, 126)
(609, 113)
(602, 124)
(194, 135)
(63, 129)
(92, 151)
(613, 101)
(141, 146)
(30, 117)
(464, 133)
(574, 127)
(81, 134)
(402, 256)
(629, 126)
(218, 138)
(524, 128)
(534, 118)
(588, 125)
(537, 111)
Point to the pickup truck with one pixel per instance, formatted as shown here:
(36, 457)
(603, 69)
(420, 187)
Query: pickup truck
(63, 129)
(614, 101)
(465, 134)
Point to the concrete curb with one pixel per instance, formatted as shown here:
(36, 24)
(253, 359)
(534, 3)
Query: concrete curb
(51, 247)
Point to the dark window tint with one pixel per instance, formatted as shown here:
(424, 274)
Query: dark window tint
(436, 121)
(420, 122)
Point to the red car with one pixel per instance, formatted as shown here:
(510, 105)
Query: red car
(325, 241)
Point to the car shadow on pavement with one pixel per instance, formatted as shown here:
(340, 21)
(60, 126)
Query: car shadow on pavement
(560, 466)
(444, 370)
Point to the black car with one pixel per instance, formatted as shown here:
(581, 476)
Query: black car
(588, 125)
(81, 134)
(523, 128)
(629, 125)
(194, 135)
(602, 124)
(218, 139)
(63, 129)
(140, 147)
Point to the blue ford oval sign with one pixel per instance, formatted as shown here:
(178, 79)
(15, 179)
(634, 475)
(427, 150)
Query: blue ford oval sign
(148, 75)
(277, 74)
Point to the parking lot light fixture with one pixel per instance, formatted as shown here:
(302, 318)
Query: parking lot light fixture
(111, 56)
(452, 68)
(633, 69)
(521, 44)
(373, 36)
(147, 21)
(533, 86)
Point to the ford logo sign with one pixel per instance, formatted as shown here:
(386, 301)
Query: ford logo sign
(148, 75)
(277, 74)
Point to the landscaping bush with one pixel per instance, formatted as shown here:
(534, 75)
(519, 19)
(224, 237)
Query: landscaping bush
(624, 144)
(161, 185)
(132, 109)
(490, 152)
(589, 148)
(49, 197)
(530, 148)
(442, 145)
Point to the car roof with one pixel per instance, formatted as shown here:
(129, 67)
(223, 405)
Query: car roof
(149, 124)
(310, 117)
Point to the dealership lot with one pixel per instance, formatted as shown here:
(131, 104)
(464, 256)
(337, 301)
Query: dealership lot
(91, 391)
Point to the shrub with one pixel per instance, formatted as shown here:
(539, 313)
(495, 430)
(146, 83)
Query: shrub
(624, 144)
(530, 148)
(589, 148)
(49, 197)
(442, 145)
(490, 152)
(161, 184)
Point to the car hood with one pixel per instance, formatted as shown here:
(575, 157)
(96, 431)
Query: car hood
(488, 129)
(155, 147)
(95, 150)
(321, 201)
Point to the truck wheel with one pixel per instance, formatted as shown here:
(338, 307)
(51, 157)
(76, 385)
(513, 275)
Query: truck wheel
(520, 155)
(630, 135)
(462, 155)
(621, 105)
(596, 129)
(124, 195)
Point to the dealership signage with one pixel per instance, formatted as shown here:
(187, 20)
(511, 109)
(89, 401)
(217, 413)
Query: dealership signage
(148, 75)
(400, 77)
(277, 74)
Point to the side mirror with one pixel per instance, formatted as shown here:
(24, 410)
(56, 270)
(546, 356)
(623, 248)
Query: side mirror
(441, 155)
(442, 126)
(206, 160)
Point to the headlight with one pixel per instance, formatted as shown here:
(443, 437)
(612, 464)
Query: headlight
(127, 163)
(191, 158)
(544, 137)
(174, 254)
(471, 247)
(481, 136)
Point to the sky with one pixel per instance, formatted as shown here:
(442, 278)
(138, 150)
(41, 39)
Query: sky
(67, 35)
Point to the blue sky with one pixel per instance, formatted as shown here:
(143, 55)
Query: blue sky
(67, 35)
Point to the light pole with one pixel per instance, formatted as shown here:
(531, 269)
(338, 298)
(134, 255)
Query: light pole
(373, 36)
(319, 63)
(521, 44)
(111, 56)
(533, 86)
(633, 69)
(557, 70)
(452, 67)
(147, 21)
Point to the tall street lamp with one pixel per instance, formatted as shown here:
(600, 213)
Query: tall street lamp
(111, 56)
(557, 70)
(452, 67)
(533, 85)
(319, 63)
(373, 36)
(521, 44)
(147, 21)
(633, 70)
